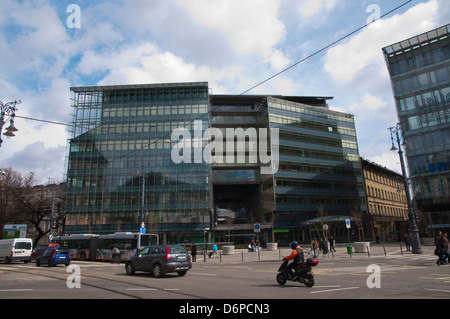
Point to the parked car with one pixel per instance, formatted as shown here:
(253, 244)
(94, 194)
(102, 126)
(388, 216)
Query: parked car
(41, 248)
(159, 260)
(54, 256)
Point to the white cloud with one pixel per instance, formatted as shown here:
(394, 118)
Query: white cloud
(36, 157)
(166, 67)
(41, 42)
(370, 103)
(309, 8)
(278, 60)
(345, 61)
(251, 26)
(93, 61)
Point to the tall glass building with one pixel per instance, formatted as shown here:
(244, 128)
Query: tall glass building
(119, 162)
(182, 160)
(420, 74)
(319, 172)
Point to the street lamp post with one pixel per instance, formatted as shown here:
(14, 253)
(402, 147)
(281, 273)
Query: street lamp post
(415, 239)
(10, 109)
(50, 233)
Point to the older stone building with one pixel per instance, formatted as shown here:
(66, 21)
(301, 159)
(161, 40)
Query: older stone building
(386, 202)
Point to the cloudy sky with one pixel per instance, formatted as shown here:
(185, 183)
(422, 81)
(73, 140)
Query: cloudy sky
(47, 46)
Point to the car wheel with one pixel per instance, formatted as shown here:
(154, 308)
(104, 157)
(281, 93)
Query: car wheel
(7, 260)
(157, 271)
(38, 263)
(129, 269)
(50, 264)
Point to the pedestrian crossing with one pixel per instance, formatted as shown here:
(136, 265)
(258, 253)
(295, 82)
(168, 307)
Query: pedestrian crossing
(410, 256)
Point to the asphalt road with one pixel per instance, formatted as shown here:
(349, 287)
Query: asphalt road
(393, 276)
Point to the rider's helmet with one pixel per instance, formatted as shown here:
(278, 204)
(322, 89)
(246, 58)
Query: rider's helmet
(294, 244)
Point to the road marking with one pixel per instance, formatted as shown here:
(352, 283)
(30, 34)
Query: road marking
(15, 290)
(141, 289)
(437, 278)
(332, 290)
(171, 289)
(200, 274)
(441, 290)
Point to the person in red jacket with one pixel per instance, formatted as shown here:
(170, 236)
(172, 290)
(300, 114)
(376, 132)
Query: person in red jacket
(296, 256)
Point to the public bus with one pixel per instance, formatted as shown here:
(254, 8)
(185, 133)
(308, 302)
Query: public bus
(99, 247)
(81, 247)
(128, 244)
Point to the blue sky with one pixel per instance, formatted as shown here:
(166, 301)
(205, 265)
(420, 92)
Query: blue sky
(229, 43)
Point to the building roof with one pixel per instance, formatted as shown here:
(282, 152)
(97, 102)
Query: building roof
(136, 86)
(378, 167)
(417, 41)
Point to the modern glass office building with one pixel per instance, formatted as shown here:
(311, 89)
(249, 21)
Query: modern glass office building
(119, 163)
(319, 172)
(420, 74)
(183, 160)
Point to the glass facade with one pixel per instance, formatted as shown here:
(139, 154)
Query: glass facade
(319, 170)
(121, 166)
(120, 160)
(420, 73)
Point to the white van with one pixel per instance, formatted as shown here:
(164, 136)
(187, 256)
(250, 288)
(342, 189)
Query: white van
(16, 249)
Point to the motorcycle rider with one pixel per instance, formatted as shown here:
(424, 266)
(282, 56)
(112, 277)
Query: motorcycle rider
(298, 258)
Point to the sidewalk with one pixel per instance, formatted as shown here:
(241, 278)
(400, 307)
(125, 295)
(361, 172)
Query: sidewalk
(264, 255)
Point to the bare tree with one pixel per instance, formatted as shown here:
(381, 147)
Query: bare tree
(26, 203)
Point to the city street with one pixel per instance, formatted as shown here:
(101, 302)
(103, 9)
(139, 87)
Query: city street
(400, 276)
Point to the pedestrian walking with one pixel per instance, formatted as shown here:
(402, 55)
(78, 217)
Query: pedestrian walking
(314, 246)
(332, 244)
(407, 241)
(439, 251)
(194, 252)
(325, 246)
(215, 249)
(446, 257)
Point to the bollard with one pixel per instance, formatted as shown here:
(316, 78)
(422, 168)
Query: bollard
(259, 256)
(242, 256)
(220, 255)
(368, 252)
(384, 247)
(401, 249)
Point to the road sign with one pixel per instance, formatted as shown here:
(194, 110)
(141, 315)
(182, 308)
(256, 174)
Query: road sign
(347, 223)
(143, 229)
(257, 228)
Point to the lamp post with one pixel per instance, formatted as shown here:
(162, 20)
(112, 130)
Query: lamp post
(50, 233)
(10, 109)
(415, 240)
